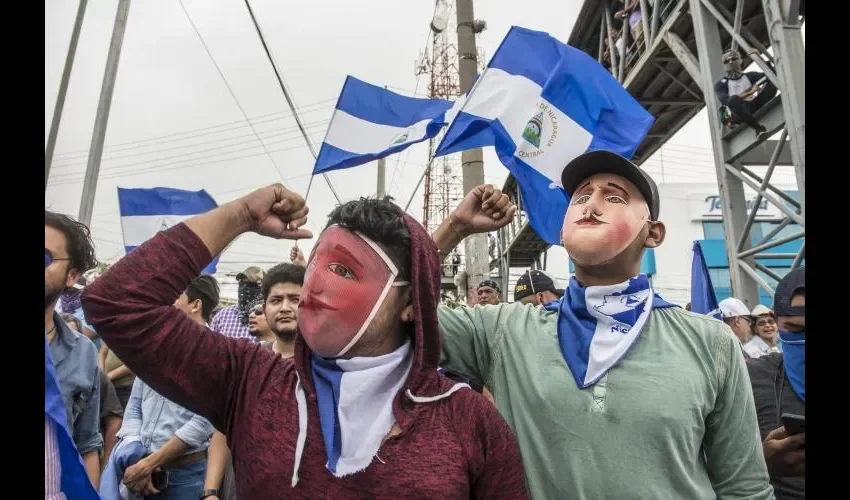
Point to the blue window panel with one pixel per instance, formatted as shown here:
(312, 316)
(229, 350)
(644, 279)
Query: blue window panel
(714, 252)
(647, 264)
(713, 230)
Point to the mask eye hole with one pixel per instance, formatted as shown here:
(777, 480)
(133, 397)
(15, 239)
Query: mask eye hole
(341, 271)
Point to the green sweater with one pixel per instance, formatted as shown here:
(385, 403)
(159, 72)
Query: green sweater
(673, 419)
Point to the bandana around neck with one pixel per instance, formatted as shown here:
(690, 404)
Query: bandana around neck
(794, 357)
(71, 301)
(598, 324)
(355, 398)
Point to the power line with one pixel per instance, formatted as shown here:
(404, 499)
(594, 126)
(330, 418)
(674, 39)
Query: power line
(232, 125)
(233, 94)
(282, 138)
(289, 101)
(139, 150)
(170, 168)
(280, 80)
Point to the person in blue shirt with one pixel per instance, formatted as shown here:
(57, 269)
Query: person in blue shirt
(69, 252)
(175, 439)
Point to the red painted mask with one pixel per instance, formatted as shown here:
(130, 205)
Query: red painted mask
(347, 279)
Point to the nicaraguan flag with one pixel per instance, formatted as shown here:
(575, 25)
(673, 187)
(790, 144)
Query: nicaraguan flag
(703, 300)
(541, 103)
(371, 122)
(72, 477)
(145, 212)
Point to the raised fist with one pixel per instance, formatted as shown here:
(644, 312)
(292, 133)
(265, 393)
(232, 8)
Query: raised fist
(277, 212)
(484, 209)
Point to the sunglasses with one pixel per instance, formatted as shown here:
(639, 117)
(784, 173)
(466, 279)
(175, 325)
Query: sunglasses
(257, 311)
(727, 61)
(50, 259)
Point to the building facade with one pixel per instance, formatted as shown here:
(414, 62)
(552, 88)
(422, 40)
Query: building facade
(693, 212)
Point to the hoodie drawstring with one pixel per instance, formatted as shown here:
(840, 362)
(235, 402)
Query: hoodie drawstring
(431, 399)
(301, 398)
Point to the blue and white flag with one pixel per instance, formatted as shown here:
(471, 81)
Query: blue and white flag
(597, 325)
(542, 103)
(371, 122)
(703, 300)
(145, 212)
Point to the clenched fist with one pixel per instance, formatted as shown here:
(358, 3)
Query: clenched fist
(277, 212)
(484, 209)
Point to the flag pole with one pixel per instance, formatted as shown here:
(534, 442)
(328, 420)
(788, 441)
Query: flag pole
(421, 177)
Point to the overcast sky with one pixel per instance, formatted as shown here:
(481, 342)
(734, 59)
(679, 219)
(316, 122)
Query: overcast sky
(174, 123)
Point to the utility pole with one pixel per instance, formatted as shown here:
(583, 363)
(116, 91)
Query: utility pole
(382, 178)
(477, 259)
(102, 117)
(63, 89)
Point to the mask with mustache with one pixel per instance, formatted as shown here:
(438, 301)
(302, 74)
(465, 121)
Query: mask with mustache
(600, 224)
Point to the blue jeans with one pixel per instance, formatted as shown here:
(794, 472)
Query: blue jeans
(185, 483)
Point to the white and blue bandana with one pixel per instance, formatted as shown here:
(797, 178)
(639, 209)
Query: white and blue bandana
(598, 324)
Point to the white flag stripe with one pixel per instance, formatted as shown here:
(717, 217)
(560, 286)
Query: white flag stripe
(509, 98)
(513, 100)
(359, 136)
(563, 137)
(139, 228)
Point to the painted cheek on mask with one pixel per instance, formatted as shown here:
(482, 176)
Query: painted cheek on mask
(593, 245)
(345, 283)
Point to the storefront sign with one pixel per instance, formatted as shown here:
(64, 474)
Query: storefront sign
(710, 207)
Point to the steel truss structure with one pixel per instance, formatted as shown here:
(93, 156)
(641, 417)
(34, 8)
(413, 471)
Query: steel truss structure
(443, 181)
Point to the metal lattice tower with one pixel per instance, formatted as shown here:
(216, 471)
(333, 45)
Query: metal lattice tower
(443, 181)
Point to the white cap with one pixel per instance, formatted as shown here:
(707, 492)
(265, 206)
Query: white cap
(760, 310)
(733, 307)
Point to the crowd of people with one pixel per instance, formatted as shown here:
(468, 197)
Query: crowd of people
(340, 375)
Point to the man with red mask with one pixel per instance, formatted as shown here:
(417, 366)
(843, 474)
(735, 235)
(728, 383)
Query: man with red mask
(612, 391)
(360, 410)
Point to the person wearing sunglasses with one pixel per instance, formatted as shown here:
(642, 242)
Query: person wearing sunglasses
(743, 93)
(68, 253)
(258, 326)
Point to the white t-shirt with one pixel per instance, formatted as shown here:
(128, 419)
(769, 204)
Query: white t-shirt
(757, 347)
(739, 86)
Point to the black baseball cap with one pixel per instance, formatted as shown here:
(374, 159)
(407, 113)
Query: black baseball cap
(534, 281)
(606, 162)
(492, 284)
(791, 284)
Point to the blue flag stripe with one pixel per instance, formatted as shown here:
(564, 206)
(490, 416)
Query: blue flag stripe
(163, 201)
(379, 105)
(527, 53)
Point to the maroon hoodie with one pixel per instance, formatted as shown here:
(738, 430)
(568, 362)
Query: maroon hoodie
(450, 446)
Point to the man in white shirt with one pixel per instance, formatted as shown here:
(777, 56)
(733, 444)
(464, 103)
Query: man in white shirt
(736, 314)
